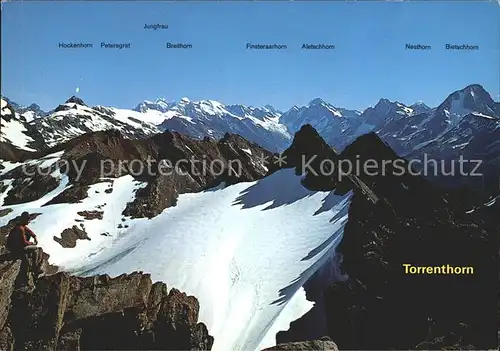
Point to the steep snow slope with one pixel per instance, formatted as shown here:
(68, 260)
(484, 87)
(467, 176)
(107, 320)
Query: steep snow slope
(13, 132)
(244, 251)
(12, 129)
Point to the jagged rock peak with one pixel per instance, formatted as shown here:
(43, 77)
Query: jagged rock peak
(420, 106)
(370, 137)
(75, 100)
(34, 106)
(476, 88)
(471, 98)
(232, 137)
(383, 103)
(308, 147)
(307, 138)
(369, 145)
(316, 102)
(273, 109)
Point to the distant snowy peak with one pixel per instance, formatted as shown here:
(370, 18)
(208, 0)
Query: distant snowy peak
(420, 107)
(31, 112)
(262, 113)
(317, 102)
(206, 109)
(182, 106)
(160, 105)
(318, 113)
(74, 118)
(212, 118)
(75, 100)
(385, 111)
(320, 103)
(473, 98)
(28, 113)
(273, 110)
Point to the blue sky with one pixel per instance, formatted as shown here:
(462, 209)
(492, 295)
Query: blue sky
(369, 62)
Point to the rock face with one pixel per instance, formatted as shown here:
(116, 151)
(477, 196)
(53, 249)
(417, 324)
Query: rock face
(324, 343)
(24, 190)
(413, 222)
(64, 312)
(169, 163)
(417, 223)
(195, 165)
(69, 236)
(91, 214)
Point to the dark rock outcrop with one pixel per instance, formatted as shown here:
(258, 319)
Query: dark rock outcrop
(324, 343)
(184, 165)
(9, 152)
(75, 100)
(8, 274)
(63, 312)
(168, 164)
(413, 222)
(310, 155)
(25, 189)
(5, 211)
(91, 214)
(69, 236)
(74, 194)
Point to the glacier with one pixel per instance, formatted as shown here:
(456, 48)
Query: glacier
(243, 250)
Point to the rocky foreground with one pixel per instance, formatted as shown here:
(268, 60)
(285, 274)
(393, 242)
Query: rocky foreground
(393, 220)
(396, 220)
(63, 312)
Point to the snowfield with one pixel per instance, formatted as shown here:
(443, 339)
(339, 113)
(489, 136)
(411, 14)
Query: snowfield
(13, 132)
(244, 250)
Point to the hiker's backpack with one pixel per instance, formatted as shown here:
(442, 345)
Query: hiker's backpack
(14, 239)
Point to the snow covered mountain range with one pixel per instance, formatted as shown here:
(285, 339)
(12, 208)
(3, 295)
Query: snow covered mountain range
(406, 129)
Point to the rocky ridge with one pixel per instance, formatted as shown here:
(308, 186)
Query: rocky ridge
(90, 157)
(58, 311)
(413, 222)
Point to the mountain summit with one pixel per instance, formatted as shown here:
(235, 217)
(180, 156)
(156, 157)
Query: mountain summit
(75, 100)
(473, 98)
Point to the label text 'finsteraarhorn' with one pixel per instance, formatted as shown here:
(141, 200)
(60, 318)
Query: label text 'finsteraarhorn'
(266, 46)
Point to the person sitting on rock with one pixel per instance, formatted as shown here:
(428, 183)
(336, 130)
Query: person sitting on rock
(20, 235)
(18, 241)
